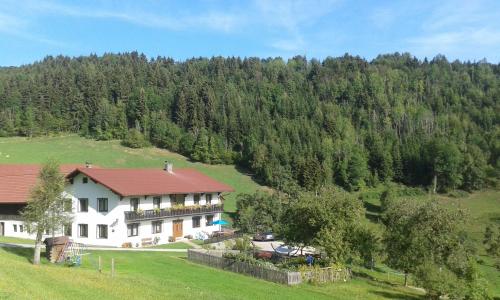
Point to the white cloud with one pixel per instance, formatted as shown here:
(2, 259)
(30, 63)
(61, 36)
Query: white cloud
(288, 19)
(465, 30)
(218, 21)
(18, 27)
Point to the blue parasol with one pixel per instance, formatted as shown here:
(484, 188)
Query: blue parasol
(220, 222)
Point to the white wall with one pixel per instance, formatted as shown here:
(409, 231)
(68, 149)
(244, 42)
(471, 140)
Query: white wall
(115, 217)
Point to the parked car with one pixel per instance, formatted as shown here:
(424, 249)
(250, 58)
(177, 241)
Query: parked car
(265, 236)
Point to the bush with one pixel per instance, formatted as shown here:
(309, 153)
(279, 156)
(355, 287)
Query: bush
(242, 244)
(458, 194)
(135, 139)
(243, 257)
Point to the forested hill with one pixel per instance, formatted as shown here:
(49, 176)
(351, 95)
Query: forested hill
(341, 120)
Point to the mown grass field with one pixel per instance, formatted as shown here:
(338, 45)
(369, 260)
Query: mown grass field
(141, 275)
(75, 149)
(169, 275)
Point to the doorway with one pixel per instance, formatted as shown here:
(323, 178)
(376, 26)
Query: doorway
(177, 228)
(2, 230)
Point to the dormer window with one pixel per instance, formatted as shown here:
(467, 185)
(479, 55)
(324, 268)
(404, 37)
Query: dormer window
(85, 180)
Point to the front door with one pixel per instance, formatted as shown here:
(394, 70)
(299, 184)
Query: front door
(177, 228)
(2, 231)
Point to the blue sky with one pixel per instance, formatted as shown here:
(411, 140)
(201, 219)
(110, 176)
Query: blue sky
(465, 30)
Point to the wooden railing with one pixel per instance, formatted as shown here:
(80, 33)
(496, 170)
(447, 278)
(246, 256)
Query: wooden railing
(152, 214)
(11, 217)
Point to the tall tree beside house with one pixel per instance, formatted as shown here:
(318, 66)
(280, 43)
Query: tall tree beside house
(329, 220)
(45, 210)
(258, 212)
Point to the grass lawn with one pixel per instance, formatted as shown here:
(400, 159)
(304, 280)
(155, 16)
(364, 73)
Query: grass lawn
(142, 275)
(14, 240)
(75, 149)
(169, 275)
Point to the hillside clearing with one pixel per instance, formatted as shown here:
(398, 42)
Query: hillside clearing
(75, 149)
(161, 275)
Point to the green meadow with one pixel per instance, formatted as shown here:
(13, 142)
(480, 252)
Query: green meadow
(75, 149)
(153, 275)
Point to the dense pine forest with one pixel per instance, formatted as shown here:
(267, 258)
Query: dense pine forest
(344, 121)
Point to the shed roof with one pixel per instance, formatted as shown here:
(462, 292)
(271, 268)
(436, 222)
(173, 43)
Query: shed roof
(16, 181)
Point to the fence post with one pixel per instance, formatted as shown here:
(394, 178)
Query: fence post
(100, 265)
(112, 267)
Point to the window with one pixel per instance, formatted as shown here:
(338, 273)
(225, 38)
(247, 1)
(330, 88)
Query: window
(210, 220)
(47, 232)
(196, 199)
(102, 231)
(157, 202)
(134, 204)
(85, 180)
(177, 199)
(83, 230)
(15, 228)
(83, 205)
(156, 226)
(196, 222)
(68, 206)
(21, 228)
(102, 204)
(133, 229)
(68, 230)
(209, 198)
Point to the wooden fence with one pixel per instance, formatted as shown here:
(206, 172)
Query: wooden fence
(327, 275)
(224, 237)
(216, 260)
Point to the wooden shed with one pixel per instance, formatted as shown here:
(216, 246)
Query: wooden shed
(54, 247)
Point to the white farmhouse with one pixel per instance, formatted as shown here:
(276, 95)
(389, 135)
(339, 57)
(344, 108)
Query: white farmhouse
(120, 207)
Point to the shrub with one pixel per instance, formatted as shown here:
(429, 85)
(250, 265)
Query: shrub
(135, 139)
(242, 244)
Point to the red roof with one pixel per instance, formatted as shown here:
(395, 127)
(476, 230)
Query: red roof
(138, 182)
(16, 181)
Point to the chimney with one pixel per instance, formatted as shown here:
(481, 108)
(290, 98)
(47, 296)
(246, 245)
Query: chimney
(168, 167)
(88, 165)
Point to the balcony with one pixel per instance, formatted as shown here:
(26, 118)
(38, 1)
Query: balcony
(153, 214)
(11, 218)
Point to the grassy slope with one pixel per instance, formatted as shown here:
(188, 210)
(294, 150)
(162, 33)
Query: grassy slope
(160, 276)
(74, 149)
(482, 207)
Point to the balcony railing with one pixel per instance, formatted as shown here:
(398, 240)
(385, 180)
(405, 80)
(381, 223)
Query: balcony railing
(11, 217)
(152, 214)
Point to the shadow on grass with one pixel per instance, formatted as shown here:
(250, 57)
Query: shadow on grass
(27, 253)
(370, 207)
(374, 218)
(395, 295)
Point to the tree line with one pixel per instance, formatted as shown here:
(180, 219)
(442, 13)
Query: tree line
(418, 237)
(309, 123)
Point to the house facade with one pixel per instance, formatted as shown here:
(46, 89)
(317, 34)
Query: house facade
(131, 207)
